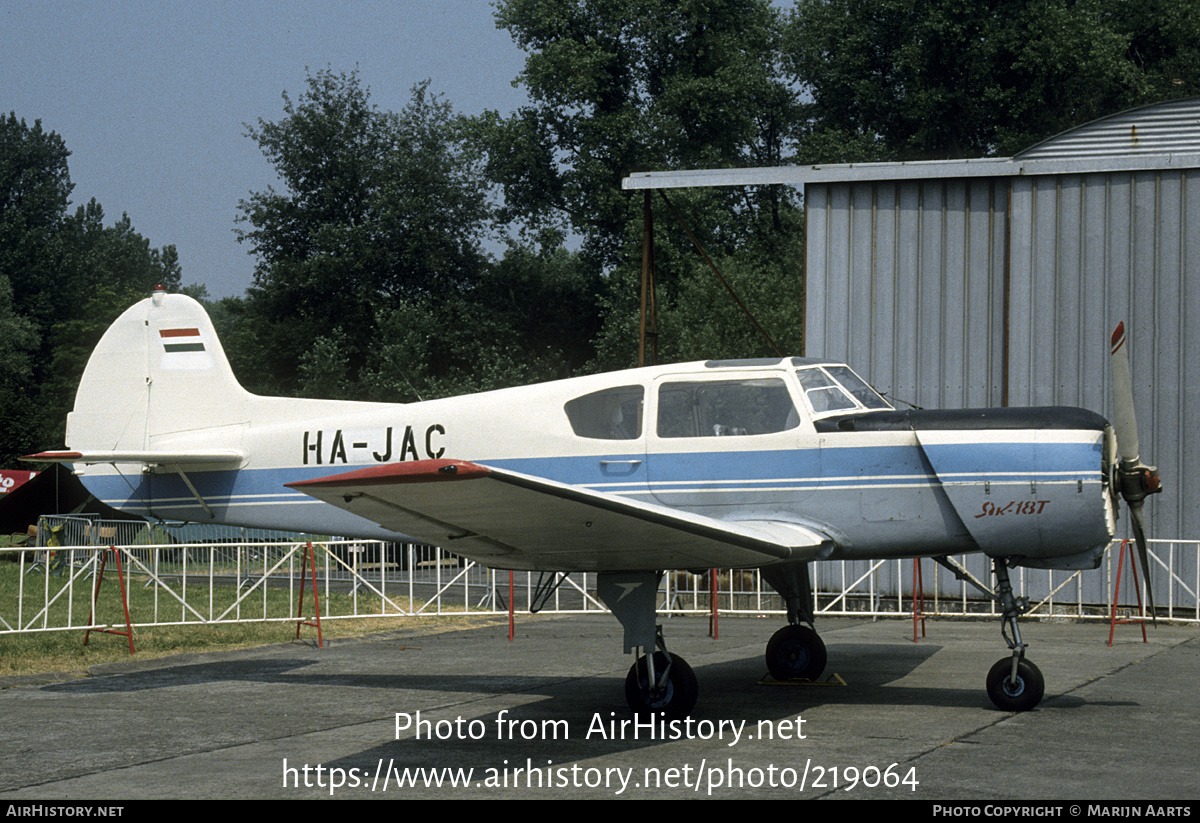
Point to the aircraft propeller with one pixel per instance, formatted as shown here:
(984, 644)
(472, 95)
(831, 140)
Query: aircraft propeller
(1132, 477)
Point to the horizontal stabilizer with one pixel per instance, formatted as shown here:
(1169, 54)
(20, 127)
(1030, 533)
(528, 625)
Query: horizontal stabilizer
(517, 521)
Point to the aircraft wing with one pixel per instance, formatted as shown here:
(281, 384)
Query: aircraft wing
(517, 521)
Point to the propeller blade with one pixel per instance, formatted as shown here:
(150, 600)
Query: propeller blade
(1125, 419)
(1135, 479)
(1139, 534)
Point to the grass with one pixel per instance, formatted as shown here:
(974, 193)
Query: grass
(63, 651)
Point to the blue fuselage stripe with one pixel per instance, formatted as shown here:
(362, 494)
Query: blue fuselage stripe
(798, 470)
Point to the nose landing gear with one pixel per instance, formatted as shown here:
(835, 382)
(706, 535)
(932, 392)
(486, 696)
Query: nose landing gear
(1014, 684)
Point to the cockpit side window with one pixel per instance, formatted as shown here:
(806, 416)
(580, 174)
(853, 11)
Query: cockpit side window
(823, 392)
(833, 389)
(610, 414)
(725, 407)
(858, 388)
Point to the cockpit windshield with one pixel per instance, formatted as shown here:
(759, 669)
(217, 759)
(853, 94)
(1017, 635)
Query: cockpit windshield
(836, 389)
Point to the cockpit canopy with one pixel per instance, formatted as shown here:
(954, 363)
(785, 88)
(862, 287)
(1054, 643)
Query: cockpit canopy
(721, 404)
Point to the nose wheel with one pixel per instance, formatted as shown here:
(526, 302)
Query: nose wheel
(1017, 691)
(1014, 684)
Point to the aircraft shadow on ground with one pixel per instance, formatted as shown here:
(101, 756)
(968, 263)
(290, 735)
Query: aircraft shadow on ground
(857, 674)
(737, 689)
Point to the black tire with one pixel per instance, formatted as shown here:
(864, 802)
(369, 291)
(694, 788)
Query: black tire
(1021, 696)
(677, 699)
(796, 653)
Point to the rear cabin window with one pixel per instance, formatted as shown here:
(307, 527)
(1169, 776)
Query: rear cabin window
(725, 408)
(610, 414)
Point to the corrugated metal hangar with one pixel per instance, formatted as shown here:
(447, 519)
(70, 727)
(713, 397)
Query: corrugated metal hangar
(996, 282)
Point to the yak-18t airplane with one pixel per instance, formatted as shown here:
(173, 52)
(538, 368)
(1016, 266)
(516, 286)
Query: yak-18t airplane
(768, 464)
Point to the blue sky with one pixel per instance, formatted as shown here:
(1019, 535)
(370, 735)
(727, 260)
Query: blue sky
(152, 98)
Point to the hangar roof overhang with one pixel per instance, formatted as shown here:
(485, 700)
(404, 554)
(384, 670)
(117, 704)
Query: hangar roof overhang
(799, 176)
(1159, 136)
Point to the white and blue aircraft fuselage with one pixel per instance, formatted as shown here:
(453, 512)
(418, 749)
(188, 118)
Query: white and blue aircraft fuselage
(767, 464)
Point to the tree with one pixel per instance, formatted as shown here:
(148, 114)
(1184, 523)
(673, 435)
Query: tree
(1163, 45)
(377, 208)
(35, 187)
(530, 318)
(63, 280)
(697, 318)
(19, 341)
(912, 79)
(622, 85)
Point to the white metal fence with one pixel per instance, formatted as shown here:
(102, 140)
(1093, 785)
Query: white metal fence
(190, 575)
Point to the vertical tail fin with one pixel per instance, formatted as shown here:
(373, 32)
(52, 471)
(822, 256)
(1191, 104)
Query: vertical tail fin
(158, 371)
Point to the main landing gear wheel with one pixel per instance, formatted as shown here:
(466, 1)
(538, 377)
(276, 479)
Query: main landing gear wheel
(1020, 695)
(677, 694)
(796, 653)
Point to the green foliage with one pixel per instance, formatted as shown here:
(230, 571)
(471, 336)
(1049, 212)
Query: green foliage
(371, 278)
(325, 368)
(19, 341)
(908, 79)
(705, 323)
(34, 189)
(384, 204)
(697, 317)
(622, 85)
(63, 280)
(378, 208)
(532, 318)
(18, 338)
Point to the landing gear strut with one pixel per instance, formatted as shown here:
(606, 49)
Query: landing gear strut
(1014, 684)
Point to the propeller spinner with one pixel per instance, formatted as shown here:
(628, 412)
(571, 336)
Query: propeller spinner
(1134, 479)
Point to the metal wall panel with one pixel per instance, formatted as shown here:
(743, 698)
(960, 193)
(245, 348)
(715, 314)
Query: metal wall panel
(1092, 250)
(906, 283)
